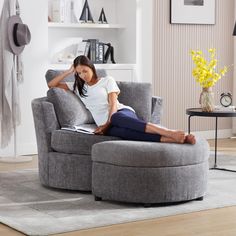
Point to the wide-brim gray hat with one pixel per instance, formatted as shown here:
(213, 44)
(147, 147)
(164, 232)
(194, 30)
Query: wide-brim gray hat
(18, 34)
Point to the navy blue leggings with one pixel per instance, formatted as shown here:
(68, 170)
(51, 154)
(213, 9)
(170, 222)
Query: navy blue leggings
(126, 125)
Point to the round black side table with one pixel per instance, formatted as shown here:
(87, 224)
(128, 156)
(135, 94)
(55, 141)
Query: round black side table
(198, 112)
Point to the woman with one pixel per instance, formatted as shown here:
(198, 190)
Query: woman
(99, 95)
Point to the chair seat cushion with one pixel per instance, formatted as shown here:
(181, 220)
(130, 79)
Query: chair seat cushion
(149, 154)
(76, 143)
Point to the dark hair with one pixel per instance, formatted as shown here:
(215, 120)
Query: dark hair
(79, 83)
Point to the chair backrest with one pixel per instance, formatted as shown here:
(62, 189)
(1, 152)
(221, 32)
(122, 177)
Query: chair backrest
(136, 95)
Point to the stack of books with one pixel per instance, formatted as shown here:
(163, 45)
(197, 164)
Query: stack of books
(95, 51)
(221, 108)
(58, 11)
(66, 11)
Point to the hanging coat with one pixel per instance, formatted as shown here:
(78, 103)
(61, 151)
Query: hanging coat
(9, 95)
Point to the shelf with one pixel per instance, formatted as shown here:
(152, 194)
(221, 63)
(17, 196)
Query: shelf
(85, 25)
(98, 66)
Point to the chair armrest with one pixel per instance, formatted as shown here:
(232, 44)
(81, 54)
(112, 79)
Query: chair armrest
(157, 103)
(45, 121)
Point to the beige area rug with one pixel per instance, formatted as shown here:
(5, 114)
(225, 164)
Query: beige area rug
(27, 206)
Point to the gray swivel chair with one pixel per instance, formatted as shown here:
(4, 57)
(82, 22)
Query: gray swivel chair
(65, 157)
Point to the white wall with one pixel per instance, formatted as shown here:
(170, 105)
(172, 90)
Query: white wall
(34, 14)
(126, 15)
(144, 44)
(138, 31)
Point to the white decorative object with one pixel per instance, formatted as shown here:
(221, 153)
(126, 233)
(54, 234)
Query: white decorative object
(58, 10)
(72, 13)
(77, 9)
(67, 11)
(193, 11)
(71, 8)
(64, 51)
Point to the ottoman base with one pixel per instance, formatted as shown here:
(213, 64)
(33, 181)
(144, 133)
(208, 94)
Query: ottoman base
(149, 185)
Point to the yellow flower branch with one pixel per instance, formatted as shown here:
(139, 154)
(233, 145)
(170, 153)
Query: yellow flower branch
(205, 72)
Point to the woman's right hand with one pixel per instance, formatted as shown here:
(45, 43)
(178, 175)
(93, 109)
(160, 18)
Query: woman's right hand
(56, 82)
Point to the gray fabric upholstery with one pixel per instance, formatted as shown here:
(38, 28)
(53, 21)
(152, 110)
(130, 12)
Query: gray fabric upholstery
(149, 185)
(70, 171)
(76, 143)
(69, 108)
(45, 122)
(145, 172)
(64, 156)
(130, 95)
(156, 112)
(149, 154)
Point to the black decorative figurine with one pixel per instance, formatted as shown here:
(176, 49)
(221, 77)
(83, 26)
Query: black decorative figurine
(109, 53)
(102, 18)
(86, 13)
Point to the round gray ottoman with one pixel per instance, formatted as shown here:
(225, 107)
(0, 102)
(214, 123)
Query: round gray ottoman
(147, 172)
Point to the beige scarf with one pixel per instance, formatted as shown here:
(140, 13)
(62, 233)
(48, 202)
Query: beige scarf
(11, 73)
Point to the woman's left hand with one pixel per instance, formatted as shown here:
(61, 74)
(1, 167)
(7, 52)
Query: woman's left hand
(101, 129)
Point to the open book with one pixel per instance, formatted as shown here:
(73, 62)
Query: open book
(84, 128)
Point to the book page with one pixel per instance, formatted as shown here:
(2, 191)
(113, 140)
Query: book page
(84, 128)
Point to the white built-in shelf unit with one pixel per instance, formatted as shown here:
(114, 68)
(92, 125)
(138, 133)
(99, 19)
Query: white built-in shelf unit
(120, 30)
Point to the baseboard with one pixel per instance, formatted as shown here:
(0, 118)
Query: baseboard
(27, 149)
(23, 149)
(210, 134)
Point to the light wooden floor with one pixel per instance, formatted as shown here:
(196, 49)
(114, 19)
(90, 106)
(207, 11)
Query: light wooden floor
(217, 222)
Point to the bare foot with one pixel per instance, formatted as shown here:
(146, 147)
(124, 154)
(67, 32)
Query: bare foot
(189, 138)
(178, 136)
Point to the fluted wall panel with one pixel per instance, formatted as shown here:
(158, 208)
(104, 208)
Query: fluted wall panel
(173, 66)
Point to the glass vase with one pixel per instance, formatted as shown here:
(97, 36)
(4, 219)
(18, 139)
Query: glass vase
(207, 100)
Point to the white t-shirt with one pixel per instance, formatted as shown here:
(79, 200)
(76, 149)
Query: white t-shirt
(96, 100)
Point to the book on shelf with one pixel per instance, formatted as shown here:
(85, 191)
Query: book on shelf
(66, 11)
(58, 10)
(93, 43)
(82, 48)
(100, 53)
(95, 51)
(84, 128)
(86, 47)
(86, 52)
